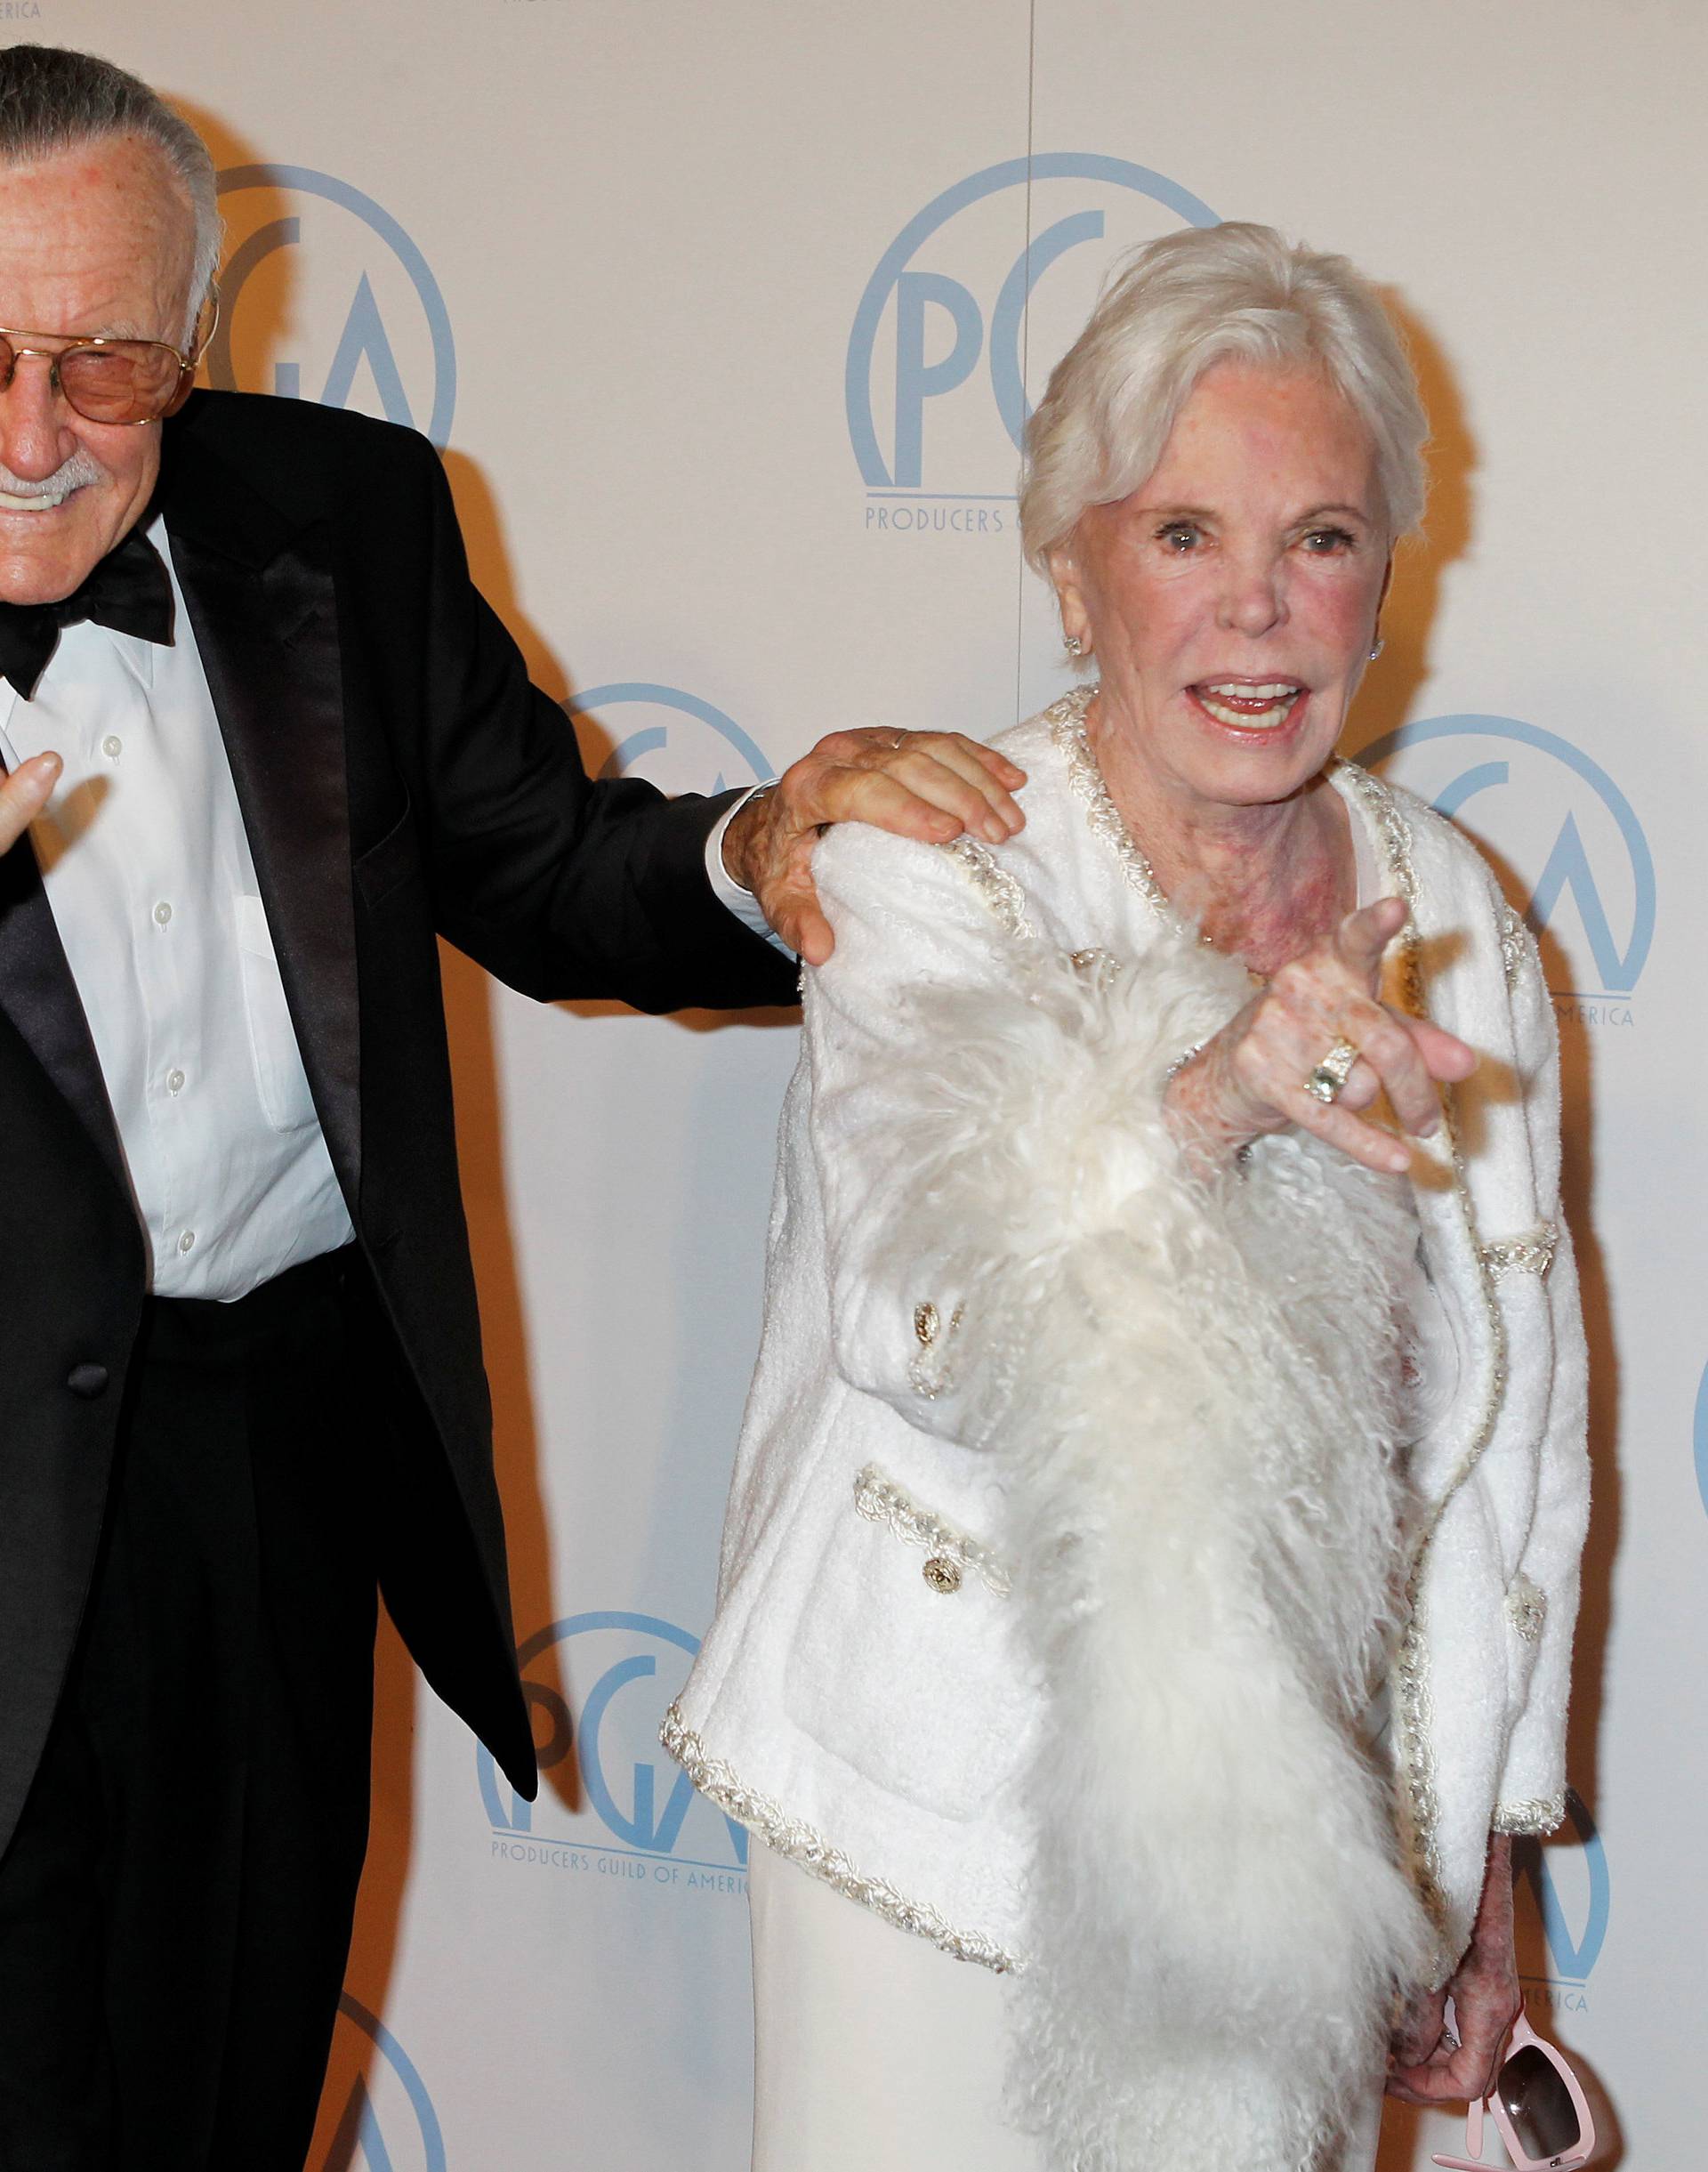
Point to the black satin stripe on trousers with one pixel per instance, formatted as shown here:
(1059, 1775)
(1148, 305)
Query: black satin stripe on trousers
(175, 1909)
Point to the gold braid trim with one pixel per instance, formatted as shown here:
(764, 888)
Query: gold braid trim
(804, 1844)
(881, 1500)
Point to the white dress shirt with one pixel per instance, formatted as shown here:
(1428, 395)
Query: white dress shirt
(148, 873)
(726, 889)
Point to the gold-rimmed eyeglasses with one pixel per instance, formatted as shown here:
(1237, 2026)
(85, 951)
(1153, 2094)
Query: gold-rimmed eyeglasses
(122, 380)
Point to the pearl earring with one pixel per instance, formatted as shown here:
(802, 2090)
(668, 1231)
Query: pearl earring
(1376, 648)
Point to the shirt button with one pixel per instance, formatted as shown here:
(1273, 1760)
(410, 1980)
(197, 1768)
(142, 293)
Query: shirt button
(174, 1082)
(187, 1242)
(88, 1381)
(162, 913)
(112, 746)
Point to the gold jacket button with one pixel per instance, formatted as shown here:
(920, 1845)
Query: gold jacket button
(942, 1574)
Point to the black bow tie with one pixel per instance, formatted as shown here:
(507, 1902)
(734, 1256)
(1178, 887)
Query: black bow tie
(129, 590)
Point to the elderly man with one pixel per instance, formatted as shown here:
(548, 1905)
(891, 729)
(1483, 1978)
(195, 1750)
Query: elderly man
(272, 743)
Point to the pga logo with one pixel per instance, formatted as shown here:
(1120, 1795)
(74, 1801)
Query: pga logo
(1563, 833)
(992, 273)
(375, 2114)
(673, 739)
(323, 296)
(1700, 1437)
(1564, 1888)
(620, 1672)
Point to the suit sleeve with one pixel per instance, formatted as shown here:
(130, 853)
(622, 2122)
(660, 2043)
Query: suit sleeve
(560, 885)
(980, 1100)
(1532, 1793)
(913, 934)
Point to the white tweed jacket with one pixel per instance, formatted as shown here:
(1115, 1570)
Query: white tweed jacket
(859, 1702)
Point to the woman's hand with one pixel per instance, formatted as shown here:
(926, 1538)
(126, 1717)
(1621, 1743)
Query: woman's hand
(929, 785)
(24, 794)
(1251, 1079)
(1430, 2064)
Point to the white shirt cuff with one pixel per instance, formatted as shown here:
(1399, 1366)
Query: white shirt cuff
(728, 891)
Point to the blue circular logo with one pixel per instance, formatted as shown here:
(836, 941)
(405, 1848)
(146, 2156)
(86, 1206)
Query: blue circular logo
(375, 2113)
(377, 305)
(687, 745)
(619, 1796)
(923, 301)
(1572, 1893)
(1557, 822)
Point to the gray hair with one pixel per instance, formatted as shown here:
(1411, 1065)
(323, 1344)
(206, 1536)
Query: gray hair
(52, 100)
(1235, 292)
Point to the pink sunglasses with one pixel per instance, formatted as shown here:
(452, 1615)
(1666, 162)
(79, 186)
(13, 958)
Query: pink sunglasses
(1539, 2107)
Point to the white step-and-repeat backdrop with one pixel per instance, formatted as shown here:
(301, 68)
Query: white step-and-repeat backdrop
(726, 318)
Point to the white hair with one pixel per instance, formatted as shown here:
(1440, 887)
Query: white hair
(52, 100)
(1236, 292)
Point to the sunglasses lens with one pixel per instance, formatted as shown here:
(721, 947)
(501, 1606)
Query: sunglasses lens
(1533, 2090)
(125, 383)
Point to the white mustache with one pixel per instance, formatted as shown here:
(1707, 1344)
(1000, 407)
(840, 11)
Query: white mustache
(77, 473)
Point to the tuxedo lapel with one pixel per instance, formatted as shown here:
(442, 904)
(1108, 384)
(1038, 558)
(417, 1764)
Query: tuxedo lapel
(39, 995)
(260, 600)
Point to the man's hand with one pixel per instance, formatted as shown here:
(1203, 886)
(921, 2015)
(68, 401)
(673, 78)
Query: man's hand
(1430, 2064)
(24, 794)
(929, 785)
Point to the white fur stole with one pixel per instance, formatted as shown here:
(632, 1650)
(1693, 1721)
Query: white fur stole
(1190, 1390)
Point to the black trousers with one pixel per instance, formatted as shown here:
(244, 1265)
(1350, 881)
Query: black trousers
(176, 1907)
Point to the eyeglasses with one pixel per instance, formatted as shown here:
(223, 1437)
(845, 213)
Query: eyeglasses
(1539, 2106)
(121, 381)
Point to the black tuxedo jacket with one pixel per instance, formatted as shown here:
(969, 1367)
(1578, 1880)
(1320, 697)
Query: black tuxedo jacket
(400, 779)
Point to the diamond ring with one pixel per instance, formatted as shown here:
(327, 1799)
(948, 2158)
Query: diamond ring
(1328, 1081)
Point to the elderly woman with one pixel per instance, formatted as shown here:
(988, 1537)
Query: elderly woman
(1148, 1581)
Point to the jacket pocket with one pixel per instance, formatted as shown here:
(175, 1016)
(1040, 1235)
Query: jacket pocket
(280, 1080)
(902, 1662)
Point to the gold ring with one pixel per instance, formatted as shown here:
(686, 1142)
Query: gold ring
(1327, 1082)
